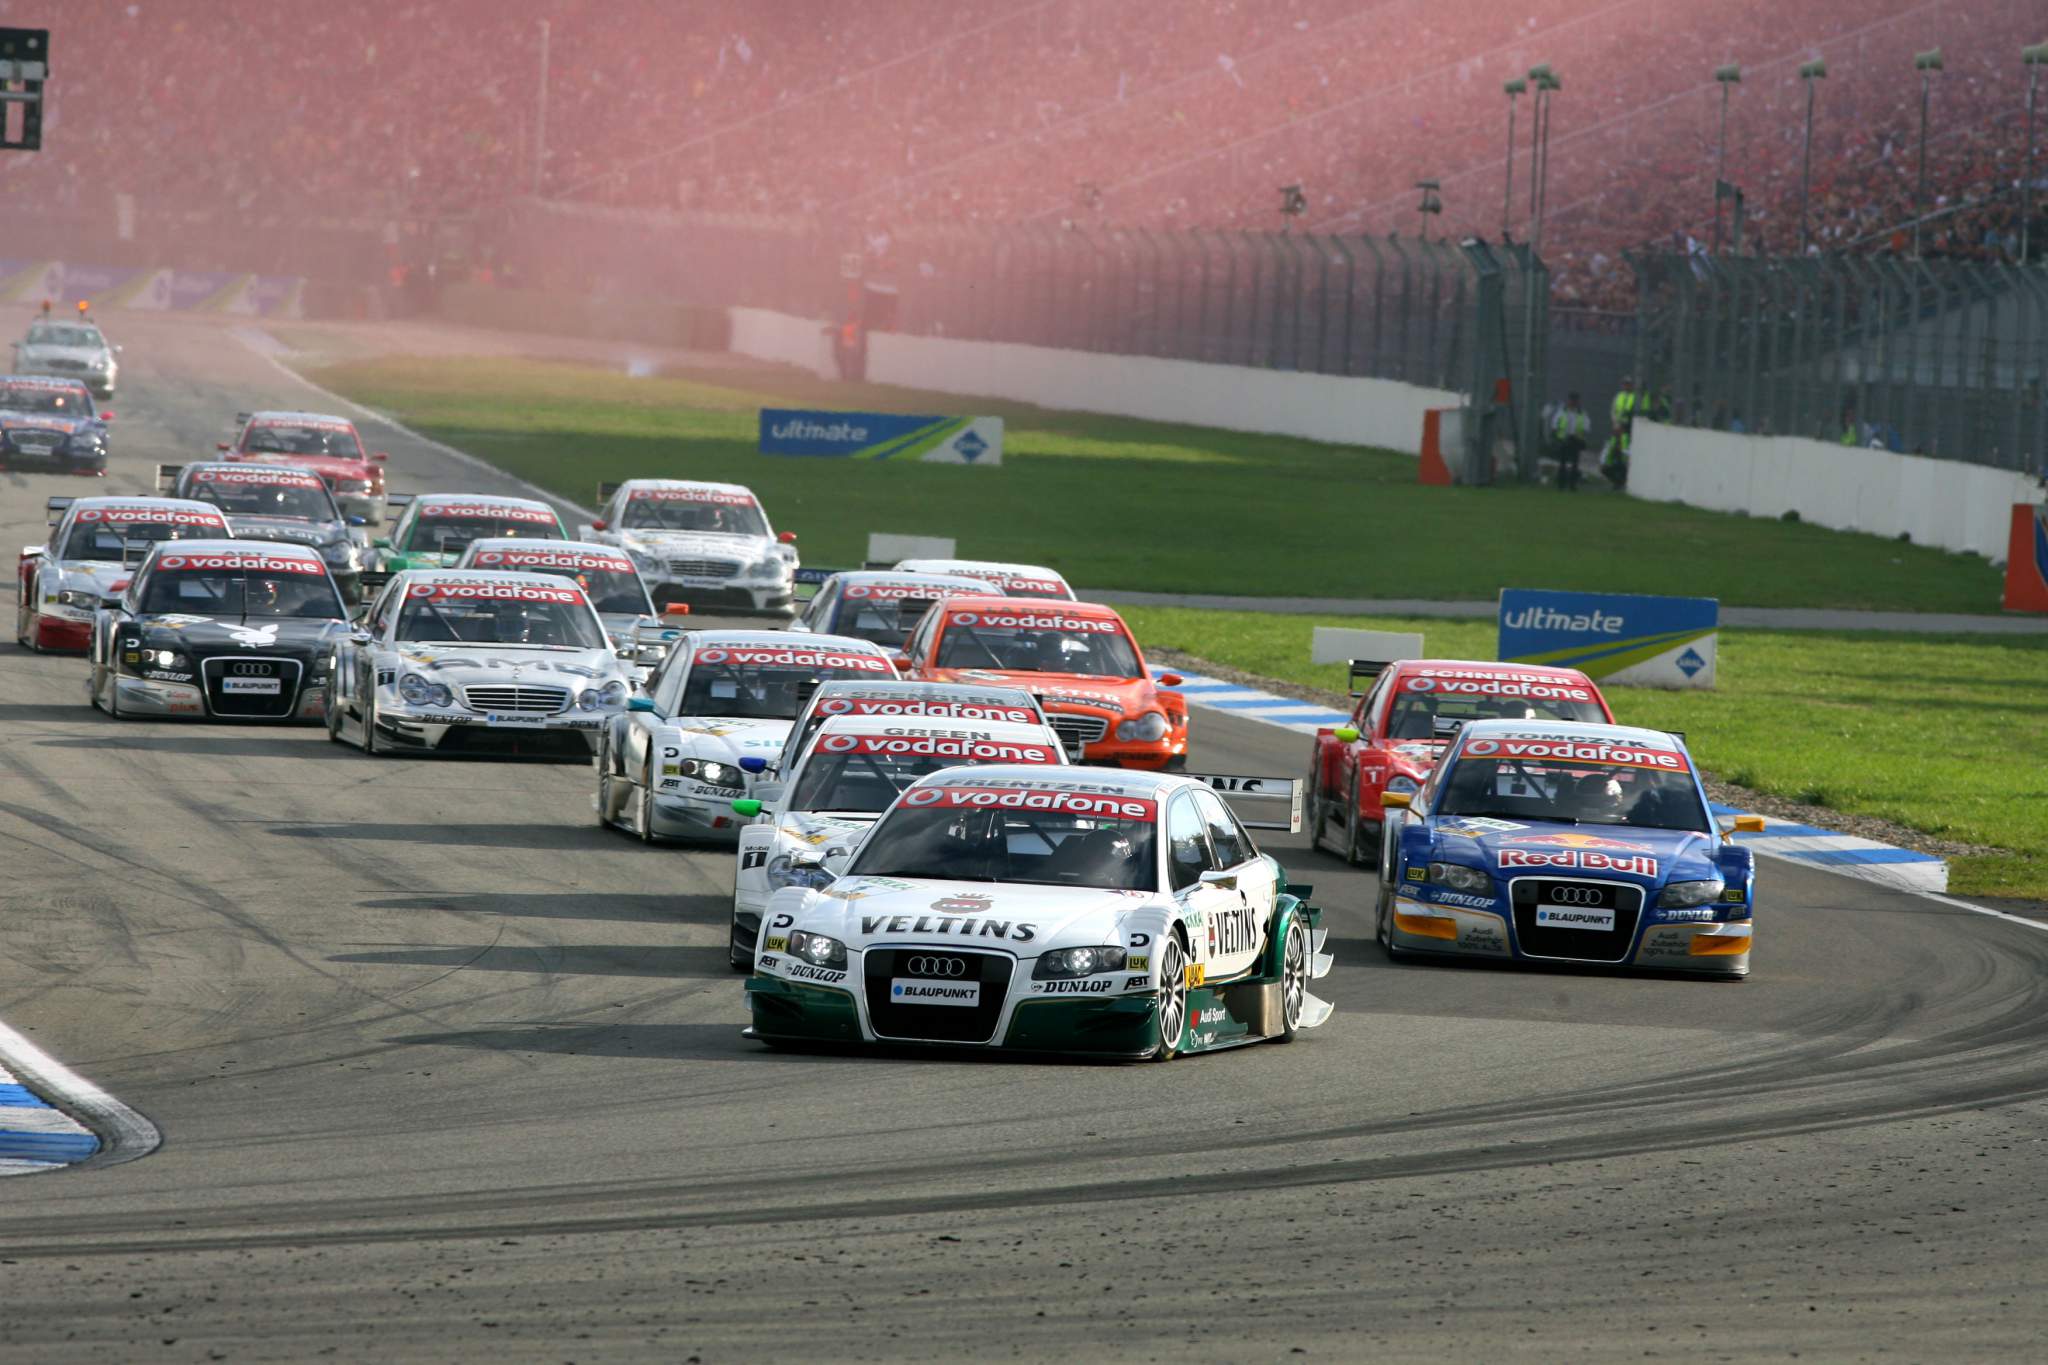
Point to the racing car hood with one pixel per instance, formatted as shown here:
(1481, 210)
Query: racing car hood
(289, 530)
(824, 830)
(294, 637)
(863, 911)
(1065, 691)
(91, 575)
(326, 466)
(466, 665)
(44, 351)
(1508, 849)
(43, 421)
(711, 543)
(730, 738)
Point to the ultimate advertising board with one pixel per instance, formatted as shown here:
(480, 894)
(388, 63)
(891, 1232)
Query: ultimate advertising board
(1613, 637)
(882, 436)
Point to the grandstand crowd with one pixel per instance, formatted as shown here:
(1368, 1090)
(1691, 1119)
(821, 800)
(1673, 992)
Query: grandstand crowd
(1169, 112)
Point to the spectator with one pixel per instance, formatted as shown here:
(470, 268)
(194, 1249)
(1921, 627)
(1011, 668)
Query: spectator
(1568, 430)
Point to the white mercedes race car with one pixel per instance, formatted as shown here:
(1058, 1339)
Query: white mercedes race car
(705, 544)
(671, 767)
(1121, 914)
(607, 577)
(1011, 580)
(839, 785)
(471, 661)
(94, 546)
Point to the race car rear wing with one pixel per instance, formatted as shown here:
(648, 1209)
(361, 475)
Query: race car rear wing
(1446, 727)
(167, 477)
(56, 508)
(398, 499)
(1259, 802)
(1363, 671)
(133, 552)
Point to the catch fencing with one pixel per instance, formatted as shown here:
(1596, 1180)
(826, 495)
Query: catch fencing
(1944, 358)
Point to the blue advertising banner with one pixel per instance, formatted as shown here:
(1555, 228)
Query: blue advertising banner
(882, 436)
(1613, 637)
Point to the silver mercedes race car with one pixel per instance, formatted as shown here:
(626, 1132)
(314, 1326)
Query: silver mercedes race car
(856, 766)
(1120, 914)
(470, 661)
(705, 544)
(671, 767)
(94, 546)
(640, 634)
(70, 350)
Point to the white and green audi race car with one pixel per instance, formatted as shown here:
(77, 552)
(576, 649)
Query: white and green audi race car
(806, 825)
(1041, 908)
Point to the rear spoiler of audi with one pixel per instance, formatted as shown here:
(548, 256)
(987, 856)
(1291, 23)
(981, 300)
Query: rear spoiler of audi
(167, 477)
(1259, 802)
(1363, 671)
(56, 508)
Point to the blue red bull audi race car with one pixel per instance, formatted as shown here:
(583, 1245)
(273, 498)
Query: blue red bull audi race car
(1561, 842)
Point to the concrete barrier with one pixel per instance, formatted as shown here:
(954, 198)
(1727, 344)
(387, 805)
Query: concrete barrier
(782, 339)
(1943, 503)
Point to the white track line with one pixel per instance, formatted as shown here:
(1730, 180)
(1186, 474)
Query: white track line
(124, 1134)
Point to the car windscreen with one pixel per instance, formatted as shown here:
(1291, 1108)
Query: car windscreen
(44, 335)
(964, 833)
(44, 400)
(609, 590)
(1414, 713)
(285, 589)
(302, 498)
(1547, 787)
(767, 682)
(866, 772)
(680, 514)
(435, 532)
(285, 438)
(512, 614)
(1038, 643)
(886, 621)
(106, 541)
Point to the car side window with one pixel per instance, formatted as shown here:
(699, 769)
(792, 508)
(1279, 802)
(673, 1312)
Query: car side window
(1187, 843)
(1381, 695)
(380, 611)
(1226, 838)
(1362, 718)
(666, 685)
(819, 614)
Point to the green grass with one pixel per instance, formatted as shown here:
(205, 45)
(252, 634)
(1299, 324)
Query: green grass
(1120, 503)
(1943, 734)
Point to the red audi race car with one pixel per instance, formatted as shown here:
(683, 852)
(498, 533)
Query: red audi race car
(94, 546)
(329, 446)
(1078, 658)
(1402, 722)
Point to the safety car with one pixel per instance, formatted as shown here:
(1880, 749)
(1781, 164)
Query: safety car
(90, 556)
(435, 529)
(1559, 842)
(640, 634)
(330, 446)
(841, 782)
(708, 545)
(882, 605)
(50, 425)
(474, 661)
(222, 630)
(1400, 723)
(672, 766)
(279, 503)
(70, 350)
(1078, 658)
(1120, 914)
(1011, 580)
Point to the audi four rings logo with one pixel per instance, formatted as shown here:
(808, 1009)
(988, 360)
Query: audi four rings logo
(1575, 895)
(242, 669)
(937, 966)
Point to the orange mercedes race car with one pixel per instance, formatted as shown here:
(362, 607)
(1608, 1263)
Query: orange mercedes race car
(1078, 658)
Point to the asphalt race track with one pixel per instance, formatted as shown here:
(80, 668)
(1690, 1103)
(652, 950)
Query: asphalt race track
(446, 1071)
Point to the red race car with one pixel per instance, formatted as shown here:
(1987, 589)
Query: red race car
(1078, 658)
(1402, 723)
(327, 445)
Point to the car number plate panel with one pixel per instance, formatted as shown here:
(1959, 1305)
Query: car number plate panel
(917, 990)
(514, 721)
(1575, 917)
(266, 686)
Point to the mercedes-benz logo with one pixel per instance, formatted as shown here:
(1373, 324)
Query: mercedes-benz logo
(937, 966)
(1575, 895)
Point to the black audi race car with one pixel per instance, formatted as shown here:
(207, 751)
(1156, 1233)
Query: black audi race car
(220, 630)
(51, 426)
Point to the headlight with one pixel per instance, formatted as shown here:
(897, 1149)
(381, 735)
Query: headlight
(588, 699)
(351, 485)
(612, 694)
(775, 566)
(1065, 962)
(782, 872)
(88, 440)
(165, 658)
(1469, 879)
(714, 774)
(72, 597)
(1403, 784)
(420, 692)
(1685, 895)
(341, 553)
(1152, 725)
(816, 949)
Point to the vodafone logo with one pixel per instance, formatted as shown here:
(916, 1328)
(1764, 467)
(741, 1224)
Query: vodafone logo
(835, 707)
(1499, 687)
(925, 796)
(1583, 751)
(839, 744)
(793, 658)
(257, 478)
(1018, 621)
(237, 564)
(1066, 803)
(501, 511)
(550, 559)
(898, 592)
(496, 592)
(939, 746)
(142, 514)
(719, 496)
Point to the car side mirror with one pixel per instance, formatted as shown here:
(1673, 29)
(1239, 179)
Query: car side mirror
(1394, 800)
(787, 538)
(1346, 734)
(358, 521)
(1217, 877)
(901, 659)
(380, 456)
(746, 806)
(381, 543)
(600, 524)
(753, 763)
(676, 609)
(1744, 824)
(107, 415)
(223, 445)
(639, 703)
(1171, 680)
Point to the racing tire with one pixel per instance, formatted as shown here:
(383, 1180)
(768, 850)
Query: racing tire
(604, 782)
(1353, 853)
(333, 715)
(1383, 917)
(113, 694)
(646, 820)
(368, 715)
(740, 958)
(1173, 998)
(1294, 979)
(24, 632)
(1312, 814)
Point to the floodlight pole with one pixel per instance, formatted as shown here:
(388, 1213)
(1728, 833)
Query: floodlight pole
(540, 114)
(1729, 77)
(1812, 72)
(1507, 200)
(1926, 63)
(1547, 87)
(1536, 75)
(2035, 58)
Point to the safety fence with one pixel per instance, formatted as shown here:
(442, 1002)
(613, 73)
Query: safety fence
(1944, 358)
